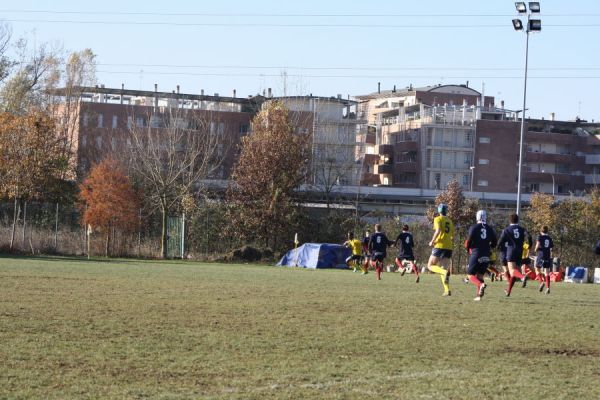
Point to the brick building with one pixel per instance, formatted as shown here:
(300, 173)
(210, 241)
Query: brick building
(414, 141)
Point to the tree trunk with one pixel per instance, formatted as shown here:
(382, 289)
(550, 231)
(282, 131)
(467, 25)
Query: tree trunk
(107, 244)
(164, 236)
(56, 229)
(16, 213)
(24, 225)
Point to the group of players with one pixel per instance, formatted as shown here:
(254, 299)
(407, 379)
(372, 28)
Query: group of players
(481, 243)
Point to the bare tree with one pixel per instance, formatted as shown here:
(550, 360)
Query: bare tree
(5, 62)
(172, 154)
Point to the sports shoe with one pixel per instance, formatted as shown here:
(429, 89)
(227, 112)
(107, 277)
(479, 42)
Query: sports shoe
(417, 280)
(481, 290)
(524, 280)
(365, 272)
(542, 286)
(403, 272)
(354, 270)
(492, 277)
(478, 298)
(446, 294)
(507, 293)
(547, 290)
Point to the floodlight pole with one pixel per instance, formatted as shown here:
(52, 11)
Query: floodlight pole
(522, 136)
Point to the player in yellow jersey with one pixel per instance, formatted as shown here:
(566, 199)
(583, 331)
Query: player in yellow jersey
(356, 246)
(441, 255)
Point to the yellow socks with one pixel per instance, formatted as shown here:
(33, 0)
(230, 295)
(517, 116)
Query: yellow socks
(438, 270)
(442, 272)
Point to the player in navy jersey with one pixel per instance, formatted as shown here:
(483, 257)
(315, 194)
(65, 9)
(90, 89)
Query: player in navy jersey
(512, 239)
(378, 244)
(543, 261)
(480, 242)
(406, 258)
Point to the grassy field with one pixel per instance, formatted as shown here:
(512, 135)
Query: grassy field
(120, 329)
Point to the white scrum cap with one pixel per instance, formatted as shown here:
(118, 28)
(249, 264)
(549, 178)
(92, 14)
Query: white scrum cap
(481, 216)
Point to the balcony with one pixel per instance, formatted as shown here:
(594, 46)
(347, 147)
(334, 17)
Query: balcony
(385, 149)
(406, 167)
(370, 179)
(371, 159)
(384, 169)
(407, 146)
(370, 138)
(592, 179)
(593, 159)
(532, 156)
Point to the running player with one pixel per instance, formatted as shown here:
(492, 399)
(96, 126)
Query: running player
(492, 270)
(441, 255)
(378, 245)
(356, 246)
(512, 239)
(406, 258)
(480, 241)
(543, 248)
(366, 254)
(525, 259)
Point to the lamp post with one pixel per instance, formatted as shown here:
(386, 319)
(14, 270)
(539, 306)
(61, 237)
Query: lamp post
(532, 25)
(472, 168)
(552, 175)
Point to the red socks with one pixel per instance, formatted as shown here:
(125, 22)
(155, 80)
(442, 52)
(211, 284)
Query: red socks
(475, 280)
(511, 282)
(414, 267)
(398, 263)
(378, 271)
(517, 274)
(547, 281)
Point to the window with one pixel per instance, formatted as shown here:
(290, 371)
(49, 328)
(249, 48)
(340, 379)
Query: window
(482, 183)
(99, 142)
(465, 180)
(86, 119)
(113, 144)
(100, 121)
(221, 128)
(129, 122)
(139, 122)
(83, 140)
(243, 129)
(484, 139)
(468, 138)
(114, 122)
(534, 187)
(484, 161)
(468, 158)
(436, 162)
(437, 180)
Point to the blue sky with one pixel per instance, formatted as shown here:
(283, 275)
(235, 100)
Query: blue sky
(330, 47)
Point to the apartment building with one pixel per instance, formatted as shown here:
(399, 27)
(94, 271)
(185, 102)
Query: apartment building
(333, 125)
(416, 142)
(106, 118)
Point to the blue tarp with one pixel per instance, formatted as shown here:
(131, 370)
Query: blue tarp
(316, 255)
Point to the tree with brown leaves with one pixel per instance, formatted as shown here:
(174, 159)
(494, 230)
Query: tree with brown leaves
(31, 160)
(109, 200)
(271, 165)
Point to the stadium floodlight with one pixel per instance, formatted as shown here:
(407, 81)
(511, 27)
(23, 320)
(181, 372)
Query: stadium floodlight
(534, 6)
(521, 7)
(517, 24)
(535, 25)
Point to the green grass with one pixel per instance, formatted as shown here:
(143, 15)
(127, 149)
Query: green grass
(70, 328)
